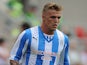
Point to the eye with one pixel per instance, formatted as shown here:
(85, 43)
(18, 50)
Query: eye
(53, 17)
(59, 17)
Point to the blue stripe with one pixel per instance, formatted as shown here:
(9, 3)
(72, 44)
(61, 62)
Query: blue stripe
(66, 40)
(41, 47)
(54, 47)
(29, 44)
(53, 60)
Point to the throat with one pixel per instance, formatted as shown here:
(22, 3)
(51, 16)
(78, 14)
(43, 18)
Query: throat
(47, 31)
(48, 37)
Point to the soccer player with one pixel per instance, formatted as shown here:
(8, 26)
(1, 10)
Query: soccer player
(42, 45)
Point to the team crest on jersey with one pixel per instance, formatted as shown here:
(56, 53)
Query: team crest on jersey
(46, 57)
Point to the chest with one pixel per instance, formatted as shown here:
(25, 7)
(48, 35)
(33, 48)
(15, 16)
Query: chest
(43, 47)
(40, 45)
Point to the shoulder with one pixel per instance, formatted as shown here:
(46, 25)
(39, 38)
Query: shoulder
(31, 31)
(28, 31)
(34, 28)
(66, 39)
(62, 35)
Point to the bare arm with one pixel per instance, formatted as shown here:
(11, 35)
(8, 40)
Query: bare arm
(13, 62)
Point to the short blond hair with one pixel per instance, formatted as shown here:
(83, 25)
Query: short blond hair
(52, 6)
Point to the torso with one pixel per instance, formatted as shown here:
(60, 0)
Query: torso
(42, 51)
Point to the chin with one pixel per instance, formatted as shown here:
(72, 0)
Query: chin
(53, 29)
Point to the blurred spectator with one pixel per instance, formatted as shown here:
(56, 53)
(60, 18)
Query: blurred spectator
(74, 52)
(25, 25)
(80, 32)
(4, 54)
(31, 16)
(84, 56)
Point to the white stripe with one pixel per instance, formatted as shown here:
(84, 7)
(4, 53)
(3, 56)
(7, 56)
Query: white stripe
(61, 45)
(16, 46)
(34, 46)
(61, 41)
(24, 60)
(48, 50)
(69, 59)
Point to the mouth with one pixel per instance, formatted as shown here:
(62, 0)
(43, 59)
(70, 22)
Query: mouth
(55, 25)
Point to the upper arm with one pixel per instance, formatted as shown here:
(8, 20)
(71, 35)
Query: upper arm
(20, 45)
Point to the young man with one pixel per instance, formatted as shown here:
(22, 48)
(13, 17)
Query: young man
(42, 45)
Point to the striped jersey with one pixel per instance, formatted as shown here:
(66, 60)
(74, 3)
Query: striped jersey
(32, 48)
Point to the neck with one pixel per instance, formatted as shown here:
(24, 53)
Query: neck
(46, 30)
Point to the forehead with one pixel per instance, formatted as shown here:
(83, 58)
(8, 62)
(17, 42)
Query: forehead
(53, 13)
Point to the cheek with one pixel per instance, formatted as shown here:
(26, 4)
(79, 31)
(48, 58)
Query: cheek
(50, 20)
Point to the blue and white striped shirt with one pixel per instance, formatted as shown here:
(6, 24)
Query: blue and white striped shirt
(32, 48)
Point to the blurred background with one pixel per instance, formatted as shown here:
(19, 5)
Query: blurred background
(17, 15)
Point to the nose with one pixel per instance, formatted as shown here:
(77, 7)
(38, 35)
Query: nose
(56, 20)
